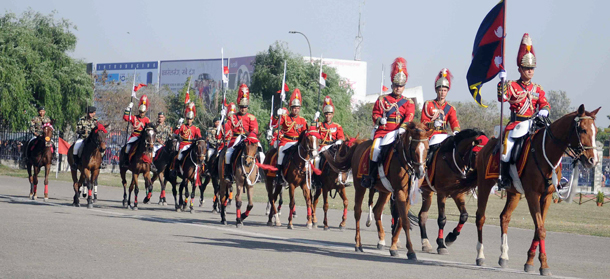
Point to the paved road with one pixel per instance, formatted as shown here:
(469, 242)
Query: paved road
(55, 240)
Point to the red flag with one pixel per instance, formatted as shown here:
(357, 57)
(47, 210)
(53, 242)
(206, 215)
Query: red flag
(225, 70)
(324, 75)
(187, 98)
(137, 87)
(286, 89)
(384, 89)
(63, 146)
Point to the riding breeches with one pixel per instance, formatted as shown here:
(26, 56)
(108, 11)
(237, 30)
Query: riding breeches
(129, 143)
(280, 155)
(181, 152)
(156, 148)
(78, 147)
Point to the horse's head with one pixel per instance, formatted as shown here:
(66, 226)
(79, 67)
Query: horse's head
(201, 150)
(150, 137)
(308, 140)
(171, 144)
(583, 141)
(466, 144)
(98, 136)
(250, 150)
(47, 134)
(415, 143)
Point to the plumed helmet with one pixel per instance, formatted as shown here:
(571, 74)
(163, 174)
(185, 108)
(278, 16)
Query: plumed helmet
(443, 79)
(399, 72)
(190, 111)
(328, 105)
(526, 56)
(231, 109)
(243, 95)
(296, 98)
(143, 106)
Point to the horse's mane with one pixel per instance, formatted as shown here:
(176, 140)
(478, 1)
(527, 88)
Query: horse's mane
(457, 139)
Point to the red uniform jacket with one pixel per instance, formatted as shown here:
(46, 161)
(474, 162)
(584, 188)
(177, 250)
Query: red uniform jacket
(291, 127)
(384, 104)
(188, 134)
(524, 99)
(446, 113)
(240, 125)
(137, 122)
(272, 142)
(330, 133)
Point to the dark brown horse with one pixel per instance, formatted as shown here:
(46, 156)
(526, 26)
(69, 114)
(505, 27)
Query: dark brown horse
(162, 160)
(298, 171)
(454, 159)
(574, 132)
(406, 168)
(139, 163)
(246, 174)
(210, 175)
(94, 147)
(188, 168)
(331, 180)
(40, 153)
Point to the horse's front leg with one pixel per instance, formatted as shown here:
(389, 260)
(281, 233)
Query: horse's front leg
(402, 206)
(124, 182)
(134, 186)
(29, 167)
(238, 187)
(307, 196)
(345, 205)
(35, 180)
(423, 218)
(460, 202)
(535, 201)
(222, 201)
(378, 211)
(291, 205)
(441, 199)
(89, 180)
(316, 197)
(250, 190)
(202, 188)
(512, 199)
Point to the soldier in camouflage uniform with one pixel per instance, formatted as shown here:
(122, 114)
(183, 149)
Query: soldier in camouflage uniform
(84, 126)
(36, 127)
(211, 137)
(164, 131)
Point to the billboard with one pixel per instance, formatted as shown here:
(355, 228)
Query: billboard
(146, 72)
(206, 73)
(353, 74)
(240, 71)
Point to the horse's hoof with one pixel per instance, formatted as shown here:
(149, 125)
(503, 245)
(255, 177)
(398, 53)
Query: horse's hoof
(76, 204)
(34, 198)
(359, 249)
(30, 196)
(192, 211)
(342, 228)
(84, 195)
(94, 200)
(90, 206)
(503, 263)
(239, 225)
(164, 203)
(442, 251)
(545, 271)
(214, 211)
(326, 228)
(278, 224)
(451, 237)
(46, 199)
(290, 227)
(393, 253)
(411, 256)
(368, 223)
(310, 226)
(270, 224)
(134, 208)
(480, 262)
(178, 210)
(266, 213)
(224, 222)
(528, 268)
(380, 246)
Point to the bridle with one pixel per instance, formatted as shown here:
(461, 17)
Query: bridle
(201, 154)
(410, 161)
(573, 152)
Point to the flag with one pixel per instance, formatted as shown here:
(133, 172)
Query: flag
(488, 51)
(384, 89)
(322, 77)
(187, 98)
(63, 147)
(225, 70)
(137, 87)
(286, 89)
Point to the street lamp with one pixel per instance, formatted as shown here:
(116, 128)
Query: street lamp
(297, 32)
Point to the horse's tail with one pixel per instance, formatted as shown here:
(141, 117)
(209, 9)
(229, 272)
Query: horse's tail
(342, 162)
(465, 184)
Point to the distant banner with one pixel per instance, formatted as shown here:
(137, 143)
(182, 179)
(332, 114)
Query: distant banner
(206, 73)
(240, 71)
(146, 72)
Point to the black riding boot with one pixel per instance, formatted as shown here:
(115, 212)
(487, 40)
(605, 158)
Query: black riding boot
(228, 173)
(368, 181)
(505, 175)
(278, 174)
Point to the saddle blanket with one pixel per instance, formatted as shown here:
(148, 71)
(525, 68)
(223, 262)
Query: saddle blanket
(363, 166)
(493, 165)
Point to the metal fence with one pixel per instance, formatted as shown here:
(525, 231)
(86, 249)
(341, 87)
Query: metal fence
(586, 177)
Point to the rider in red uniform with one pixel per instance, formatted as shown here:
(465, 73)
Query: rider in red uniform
(291, 127)
(527, 100)
(437, 114)
(330, 132)
(188, 132)
(390, 113)
(137, 121)
(240, 124)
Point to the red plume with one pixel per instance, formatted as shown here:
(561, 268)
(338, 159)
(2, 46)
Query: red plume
(399, 64)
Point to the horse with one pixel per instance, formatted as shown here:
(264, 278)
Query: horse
(575, 132)
(454, 159)
(188, 169)
(406, 168)
(298, 168)
(41, 154)
(246, 174)
(161, 160)
(210, 175)
(140, 158)
(331, 180)
(94, 147)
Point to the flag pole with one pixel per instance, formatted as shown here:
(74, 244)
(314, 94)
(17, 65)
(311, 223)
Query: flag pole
(131, 101)
(319, 86)
(503, 81)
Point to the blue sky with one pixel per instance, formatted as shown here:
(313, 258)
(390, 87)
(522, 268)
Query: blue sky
(570, 38)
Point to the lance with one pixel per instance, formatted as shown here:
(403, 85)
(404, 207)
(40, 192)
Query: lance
(224, 91)
(133, 94)
(282, 96)
(380, 92)
(503, 81)
(319, 86)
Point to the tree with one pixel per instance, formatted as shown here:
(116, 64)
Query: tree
(560, 104)
(471, 115)
(35, 69)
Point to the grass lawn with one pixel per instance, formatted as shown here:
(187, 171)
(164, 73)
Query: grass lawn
(587, 219)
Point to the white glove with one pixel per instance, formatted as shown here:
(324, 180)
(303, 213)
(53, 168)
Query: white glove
(338, 142)
(130, 105)
(280, 112)
(269, 135)
(180, 121)
(223, 111)
(502, 74)
(316, 116)
(383, 121)
(455, 132)
(544, 113)
(438, 123)
(401, 131)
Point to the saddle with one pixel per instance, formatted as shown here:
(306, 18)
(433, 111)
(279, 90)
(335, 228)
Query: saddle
(385, 156)
(521, 150)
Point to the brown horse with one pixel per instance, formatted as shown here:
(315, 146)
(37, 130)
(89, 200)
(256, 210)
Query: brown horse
(331, 180)
(298, 172)
(246, 174)
(574, 132)
(188, 168)
(161, 161)
(406, 168)
(41, 154)
(94, 147)
(210, 175)
(454, 159)
(140, 158)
